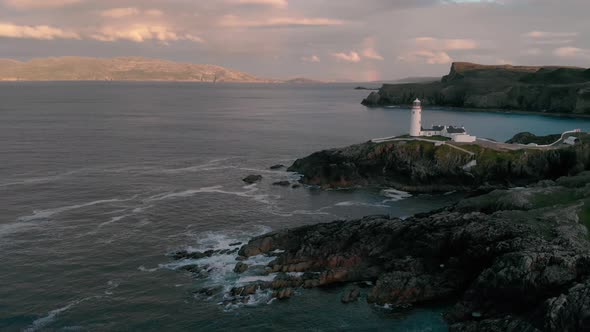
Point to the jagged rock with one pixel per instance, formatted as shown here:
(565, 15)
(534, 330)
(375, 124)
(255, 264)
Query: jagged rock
(208, 291)
(183, 254)
(240, 267)
(524, 269)
(278, 166)
(252, 179)
(350, 295)
(295, 186)
(245, 290)
(283, 293)
(191, 268)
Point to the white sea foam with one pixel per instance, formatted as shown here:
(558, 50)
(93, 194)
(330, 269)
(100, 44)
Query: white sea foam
(40, 179)
(42, 322)
(48, 213)
(249, 193)
(394, 195)
(144, 269)
(299, 212)
(114, 220)
(211, 165)
(250, 279)
(354, 203)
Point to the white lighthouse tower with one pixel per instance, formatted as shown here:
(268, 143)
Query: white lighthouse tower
(416, 124)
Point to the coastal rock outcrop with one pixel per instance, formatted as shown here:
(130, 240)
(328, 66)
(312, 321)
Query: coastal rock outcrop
(420, 166)
(508, 268)
(252, 178)
(525, 88)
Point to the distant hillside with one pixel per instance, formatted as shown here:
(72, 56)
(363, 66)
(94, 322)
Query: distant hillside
(417, 79)
(119, 69)
(527, 88)
(303, 80)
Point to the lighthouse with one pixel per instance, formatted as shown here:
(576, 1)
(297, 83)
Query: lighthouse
(416, 124)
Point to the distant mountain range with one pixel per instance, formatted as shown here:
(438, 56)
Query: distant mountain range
(119, 69)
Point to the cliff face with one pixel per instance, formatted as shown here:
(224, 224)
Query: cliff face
(539, 89)
(512, 260)
(424, 167)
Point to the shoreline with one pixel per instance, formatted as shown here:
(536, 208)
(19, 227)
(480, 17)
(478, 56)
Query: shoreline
(487, 110)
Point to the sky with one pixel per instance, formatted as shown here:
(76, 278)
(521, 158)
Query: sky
(340, 40)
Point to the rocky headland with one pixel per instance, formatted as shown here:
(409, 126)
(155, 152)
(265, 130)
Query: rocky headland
(510, 260)
(525, 88)
(430, 166)
(512, 256)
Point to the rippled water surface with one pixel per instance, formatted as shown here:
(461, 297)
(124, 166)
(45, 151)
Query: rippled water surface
(99, 182)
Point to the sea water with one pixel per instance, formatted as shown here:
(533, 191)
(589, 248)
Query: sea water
(101, 181)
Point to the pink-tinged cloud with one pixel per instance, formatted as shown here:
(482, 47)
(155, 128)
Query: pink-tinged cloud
(39, 4)
(120, 12)
(351, 56)
(572, 52)
(426, 56)
(546, 34)
(312, 58)
(271, 3)
(129, 12)
(446, 44)
(143, 32)
(43, 32)
(232, 21)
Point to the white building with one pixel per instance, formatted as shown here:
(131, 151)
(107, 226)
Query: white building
(572, 140)
(416, 121)
(457, 134)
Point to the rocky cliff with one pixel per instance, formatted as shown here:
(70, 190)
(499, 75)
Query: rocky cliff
(511, 260)
(426, 167)
(536, 89)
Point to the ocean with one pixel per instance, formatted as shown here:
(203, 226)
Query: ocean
(101, 181)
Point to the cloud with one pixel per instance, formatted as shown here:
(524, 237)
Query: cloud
(545, 34)
(153, 12)
(120, 12)
(130, 11)
(550, 38)
(276, 22)
(446, 44)
(271, 3)
(435, 50)
(429, 57)
(369, 51)
(40, 4)
(312, 58)
(43, 32)
(352, 56)
(143, 32)
(572, 52)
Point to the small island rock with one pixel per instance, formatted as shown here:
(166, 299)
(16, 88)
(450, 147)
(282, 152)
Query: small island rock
(252, 178)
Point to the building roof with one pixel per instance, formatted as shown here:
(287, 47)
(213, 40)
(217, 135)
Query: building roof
(434, 128)
(455, 130)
